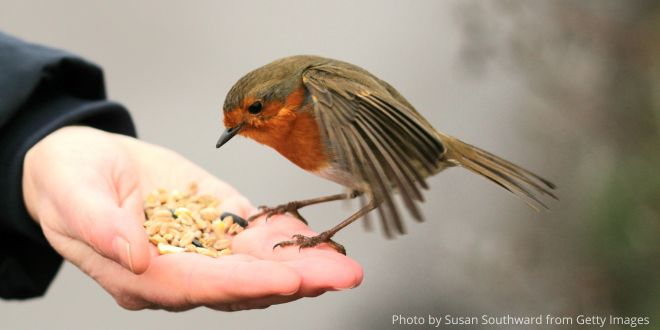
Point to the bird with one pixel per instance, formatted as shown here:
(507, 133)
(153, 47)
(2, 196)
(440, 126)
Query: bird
(338, 121)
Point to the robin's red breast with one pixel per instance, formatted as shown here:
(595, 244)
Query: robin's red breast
(338, 121)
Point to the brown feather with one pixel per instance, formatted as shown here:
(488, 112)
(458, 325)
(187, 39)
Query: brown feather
(498, 170)
(374, 138)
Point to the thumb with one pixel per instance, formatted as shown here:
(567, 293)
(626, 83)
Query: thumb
(114, 231)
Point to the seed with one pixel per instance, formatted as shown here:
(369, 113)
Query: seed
(233, 229)
(176, 195)
(187, 238)
(208, 238)
(148, 212)
(207, 252)
(185, 222)
(166, 248)
(181, 211)
(201, 224)
(175, 234)
(209, 241)
(162, 213)
(178, 221)
(155, 239)
(206, 200)
(152, 200)
(197, 243)
(193, 207)
(222, 244)
(153, 228)
(218, 227)
(229, 221)
(209, 213)
(163, 229)
(176, 226)
(242, 222)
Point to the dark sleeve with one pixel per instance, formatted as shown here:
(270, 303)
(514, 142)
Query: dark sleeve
(41, 90)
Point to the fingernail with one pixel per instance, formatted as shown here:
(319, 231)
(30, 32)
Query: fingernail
(344, 289)
(290, 293)
(352, 286)
(123, 251)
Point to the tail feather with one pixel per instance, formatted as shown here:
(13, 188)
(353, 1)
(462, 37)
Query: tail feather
(509, 176)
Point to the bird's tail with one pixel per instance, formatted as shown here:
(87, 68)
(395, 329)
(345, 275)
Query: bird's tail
(519, 181)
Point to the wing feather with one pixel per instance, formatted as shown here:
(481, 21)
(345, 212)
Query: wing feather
(378, 140)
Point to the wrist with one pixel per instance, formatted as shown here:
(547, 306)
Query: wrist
(29, 184)
(34, 161)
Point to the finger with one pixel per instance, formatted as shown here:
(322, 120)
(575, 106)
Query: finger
(187, 280)
(231, 279)
(321, 268)
(109, 274)
(112, 231)
(321, 272)
(259, 303)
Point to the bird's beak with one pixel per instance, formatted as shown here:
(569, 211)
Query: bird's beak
(228, 134)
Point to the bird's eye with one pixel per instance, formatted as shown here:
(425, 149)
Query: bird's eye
(255, 108)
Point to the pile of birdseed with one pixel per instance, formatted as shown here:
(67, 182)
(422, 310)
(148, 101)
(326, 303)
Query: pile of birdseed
(187, 222)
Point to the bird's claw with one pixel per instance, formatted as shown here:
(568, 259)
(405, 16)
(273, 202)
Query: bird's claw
(306, 242)
(291, 207)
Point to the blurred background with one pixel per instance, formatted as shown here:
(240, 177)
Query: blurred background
(568, 89)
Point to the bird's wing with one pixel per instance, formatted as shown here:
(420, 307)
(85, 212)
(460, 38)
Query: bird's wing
(380, 141)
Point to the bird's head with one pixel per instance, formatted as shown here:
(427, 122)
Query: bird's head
(263, 104)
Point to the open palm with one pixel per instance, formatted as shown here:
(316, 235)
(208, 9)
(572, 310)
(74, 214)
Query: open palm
(86, 187)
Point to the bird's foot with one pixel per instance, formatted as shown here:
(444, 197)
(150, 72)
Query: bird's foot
(290, 207)
(306, 242)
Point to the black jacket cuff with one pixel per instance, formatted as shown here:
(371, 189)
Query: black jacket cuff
(41, 90)
(27, 262)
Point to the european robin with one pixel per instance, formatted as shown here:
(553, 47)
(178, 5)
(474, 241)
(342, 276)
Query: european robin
(340, 122)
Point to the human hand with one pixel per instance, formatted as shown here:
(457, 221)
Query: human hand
(86, 187)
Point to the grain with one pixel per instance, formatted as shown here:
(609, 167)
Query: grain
(222, 244)
(164, 248)
(209, 213)
(183, 221)
(207, 252)
(155, 239)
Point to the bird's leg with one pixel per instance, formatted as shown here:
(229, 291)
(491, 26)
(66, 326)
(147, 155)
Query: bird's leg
(293, 207)
(325, 237)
